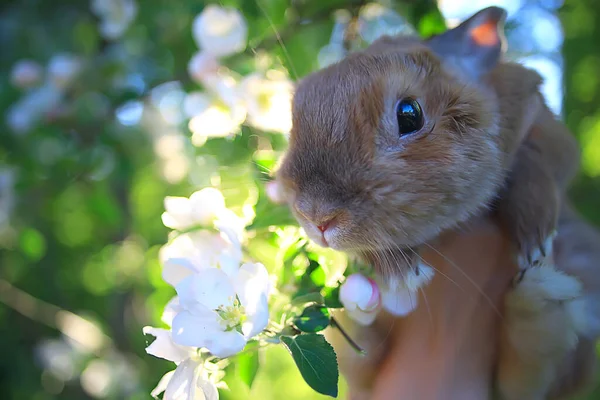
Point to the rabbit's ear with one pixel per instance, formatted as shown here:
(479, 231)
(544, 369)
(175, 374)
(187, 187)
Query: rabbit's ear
(477, 44)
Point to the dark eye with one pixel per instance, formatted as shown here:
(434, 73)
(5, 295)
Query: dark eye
(410, 116)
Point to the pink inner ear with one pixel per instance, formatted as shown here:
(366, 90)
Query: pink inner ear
(485, 34)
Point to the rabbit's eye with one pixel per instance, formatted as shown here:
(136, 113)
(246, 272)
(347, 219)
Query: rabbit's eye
(410, 116)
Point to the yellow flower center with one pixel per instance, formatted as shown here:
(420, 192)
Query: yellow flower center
(233, 316)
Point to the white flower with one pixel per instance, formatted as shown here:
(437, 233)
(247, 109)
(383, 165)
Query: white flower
(63, 69)
(225, 113)
(115, 16)
(274, 192)
(201, 208)
(399, 301)
(221, 313)
(26, 73)
(216, 121)
(194, 251)
(377, 20)
(220, 31)
(27, 112)
(163, 346)
(202, 65)
(269, 101)
(189, 381)
(335, 51)
(195, 103)
(360, 297)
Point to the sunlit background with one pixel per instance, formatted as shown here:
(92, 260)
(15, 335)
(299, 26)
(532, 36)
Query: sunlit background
(108, 106)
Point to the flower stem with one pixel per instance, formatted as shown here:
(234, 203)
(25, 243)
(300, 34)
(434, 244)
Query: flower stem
(351, 342)
(274, 340)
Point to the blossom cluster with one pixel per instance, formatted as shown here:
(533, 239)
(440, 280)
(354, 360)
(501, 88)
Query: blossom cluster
(43, 95)
(262, 99)
(115, 16)
(221, 301)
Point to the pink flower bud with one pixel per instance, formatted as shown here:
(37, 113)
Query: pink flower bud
(359, 292)
(274, 192)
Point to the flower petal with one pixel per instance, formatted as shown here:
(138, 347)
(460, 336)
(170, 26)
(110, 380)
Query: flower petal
(413, 280)
(162, 384)
(189, 383)
(201, 66)
(358, 291)
(177, 269)
(253, 286)
(171, 309)
(257, 318)
(206, 204)
(164, 347)
(205, 249)
(399, 302)
(220, 31)
(190, 330)
(178, 213)
(252, 280)
(209, 288)
(230, 260)
(207, 386)
(230, 224)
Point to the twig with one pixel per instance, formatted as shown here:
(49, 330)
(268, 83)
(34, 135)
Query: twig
(350, 341)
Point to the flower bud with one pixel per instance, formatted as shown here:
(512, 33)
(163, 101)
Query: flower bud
(274, 192)
(25, 74)
(202, 65)
(360, 297)
(359, 292)
(220, 31)
(63, 69)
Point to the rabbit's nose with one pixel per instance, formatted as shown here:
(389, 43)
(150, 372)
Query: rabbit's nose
(321, 215)
(323, 227)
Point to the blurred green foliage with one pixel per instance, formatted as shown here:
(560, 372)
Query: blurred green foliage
(85, 231)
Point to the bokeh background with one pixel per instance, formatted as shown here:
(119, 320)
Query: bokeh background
(98, 100)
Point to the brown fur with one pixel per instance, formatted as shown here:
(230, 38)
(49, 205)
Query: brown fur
(543, 165)
(388, 194)
(345, 154)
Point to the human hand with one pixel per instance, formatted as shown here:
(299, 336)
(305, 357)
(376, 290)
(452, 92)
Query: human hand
(446, 348)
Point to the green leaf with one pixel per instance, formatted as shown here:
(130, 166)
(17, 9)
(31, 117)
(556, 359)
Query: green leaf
(247, 366)
(431, 24)
(301, 299)
(331, 296)
(314, 318)
(318, 277)
(33, 244)
(294, 249)
(316, 360)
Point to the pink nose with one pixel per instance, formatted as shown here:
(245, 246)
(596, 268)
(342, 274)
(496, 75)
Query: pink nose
(321, 215)
(324, 225)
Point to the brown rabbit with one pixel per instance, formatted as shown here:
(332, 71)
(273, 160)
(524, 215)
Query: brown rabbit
(408, 138)
(401, 141)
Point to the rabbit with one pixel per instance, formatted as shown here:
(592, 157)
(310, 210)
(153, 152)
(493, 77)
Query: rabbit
(408, 138)
(397, 143)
